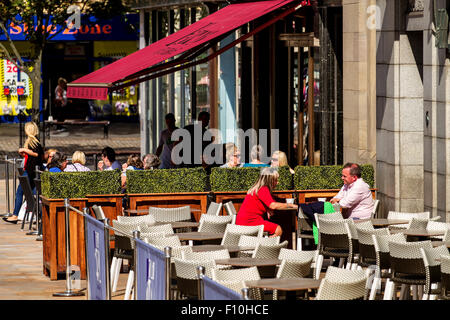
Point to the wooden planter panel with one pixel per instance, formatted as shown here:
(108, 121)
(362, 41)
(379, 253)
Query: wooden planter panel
(54, 233)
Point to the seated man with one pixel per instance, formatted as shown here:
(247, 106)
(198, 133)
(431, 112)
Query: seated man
(355, 197)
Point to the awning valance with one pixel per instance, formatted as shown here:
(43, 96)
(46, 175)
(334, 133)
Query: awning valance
(187, 44)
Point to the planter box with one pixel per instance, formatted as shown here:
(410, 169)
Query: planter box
(196, 200)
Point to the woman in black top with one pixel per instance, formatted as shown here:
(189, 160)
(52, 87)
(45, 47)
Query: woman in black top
(33, 155)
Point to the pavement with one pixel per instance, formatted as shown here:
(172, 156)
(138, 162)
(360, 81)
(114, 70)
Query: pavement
(21, 262)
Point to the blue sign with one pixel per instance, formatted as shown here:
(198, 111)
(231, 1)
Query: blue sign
(95, 259)
(150, 272)
(212, 290)
(91, 29)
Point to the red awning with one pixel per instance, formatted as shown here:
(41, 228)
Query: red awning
(188, 41)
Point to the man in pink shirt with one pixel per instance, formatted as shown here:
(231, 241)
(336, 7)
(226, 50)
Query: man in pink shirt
(355, 197)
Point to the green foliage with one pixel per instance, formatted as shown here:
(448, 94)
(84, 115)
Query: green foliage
(60, 185)
(327, 177)
(167, 180)
(242, 179)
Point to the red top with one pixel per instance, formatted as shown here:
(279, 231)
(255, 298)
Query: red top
(252, 210)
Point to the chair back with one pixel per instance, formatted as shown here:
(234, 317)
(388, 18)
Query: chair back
(164, 228)
(418, 224)
(187, 276)
(235, 279)
(214, 208)
(234, 232)
(342, 284)
(406, 216)
(406, 258)
(445, 276)
(439, 226)
(245, 240)
(269, 251)
(171, 214)
(381, 245)
(366, 244)
(303, 223)
(432, 262)
(99, 214)
(206, 255)
(332, 233)
(376, 203)
(163, 240)
(229, 208)
(212, 223)
(294, 265)
(147, 219)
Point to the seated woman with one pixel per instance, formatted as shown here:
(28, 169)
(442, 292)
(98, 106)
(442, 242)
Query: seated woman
(58, 162)
(255, 155)
(78, 163)
(259, 200)
(279, 159)
(232, 156)
(133, 163)
(151, 161)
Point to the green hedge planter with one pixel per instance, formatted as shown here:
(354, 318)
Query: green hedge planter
(60, 185)
(242, 179)
(327, 177)
(167, 180)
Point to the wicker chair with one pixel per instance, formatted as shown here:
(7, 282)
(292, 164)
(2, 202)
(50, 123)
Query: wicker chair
(214, 208)
(163, 228)
(123, 249)
(268, 252)
(439, 226)
(445, 277)
(206, 255)
(98, 211)
(406, 216)
(407, 264)
(334, 241)
(229, 208)
(304, 229)
(162, 241)
(342, 284)
(433, 270)
(381, 245)
(234, 232)
(294, 264)
(171, 214)
(211, 223)
(147, 219)
(235, 279)
(187, 276)
(352, 227)
(376, 204)
(417, 224)
(252, 241)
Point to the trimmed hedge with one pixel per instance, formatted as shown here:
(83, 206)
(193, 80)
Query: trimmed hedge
(327, 177)
(60, 185)
(167, 180)
(242, 179)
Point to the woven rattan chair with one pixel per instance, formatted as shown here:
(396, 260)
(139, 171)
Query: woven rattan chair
(407, 264)
(445, 277)
(206, 255)
(163, 240)
(352, 227)
(229, 208)
(187, 276)
(212, 223)
(431, 260)
(252, 241)
(234, 232)
(268, 252)
(376, 204)
(334, 241)
(406, 216)
(304, 229)
(99, 214)
(418, 224)
(170, 214)
(235, 279)
(439, 226)
(163, 228)
(383, 270)
(147, 219)
(123, 249)
(214, 208)
(342, 284)
(294, 264)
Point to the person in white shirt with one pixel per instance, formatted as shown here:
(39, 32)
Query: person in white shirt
(78, 163)
(355, 197)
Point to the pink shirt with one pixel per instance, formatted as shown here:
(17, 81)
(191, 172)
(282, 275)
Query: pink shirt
(357, 198)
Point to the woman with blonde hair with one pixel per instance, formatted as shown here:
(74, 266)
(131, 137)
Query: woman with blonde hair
(279, 159)
(259, 200)
(33, 155)
(78, 163)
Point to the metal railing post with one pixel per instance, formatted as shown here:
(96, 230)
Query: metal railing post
(14, 179)
(107, 270)
(69, 292)
(200, 275)
(245, 293)
(168, 271)
(8, 208)
(136, 235)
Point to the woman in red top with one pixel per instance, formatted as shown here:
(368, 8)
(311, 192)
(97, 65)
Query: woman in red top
(259, 200)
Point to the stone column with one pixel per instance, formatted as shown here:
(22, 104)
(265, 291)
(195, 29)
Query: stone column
(359, 85)
(400, 155)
